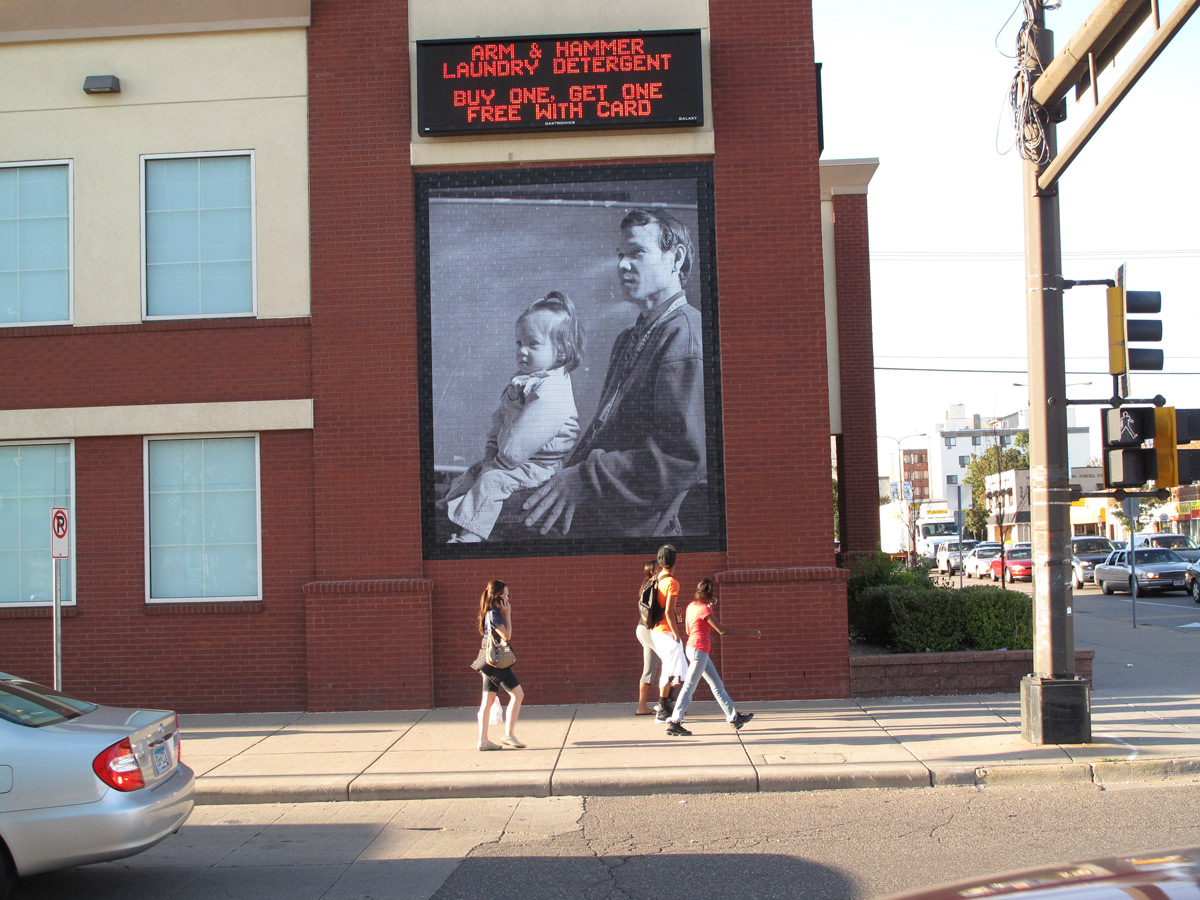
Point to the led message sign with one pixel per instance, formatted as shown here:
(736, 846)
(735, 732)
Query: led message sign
(573, 81)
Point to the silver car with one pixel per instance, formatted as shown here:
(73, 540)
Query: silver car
(82, 783)
(1157, 570)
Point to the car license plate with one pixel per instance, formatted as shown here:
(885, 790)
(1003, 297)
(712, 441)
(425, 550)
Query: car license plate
(1178, 582)
(162, 759)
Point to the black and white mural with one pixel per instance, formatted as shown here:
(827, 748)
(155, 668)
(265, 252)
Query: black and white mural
(570, 380)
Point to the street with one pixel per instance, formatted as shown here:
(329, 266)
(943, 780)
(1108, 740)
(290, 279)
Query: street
(851, 844)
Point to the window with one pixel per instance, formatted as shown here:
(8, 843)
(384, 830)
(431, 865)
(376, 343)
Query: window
(964, 461)
(35, 243)
(976, 441)
(202, 519)
(951, 479)
(950, 442)
(34, 478)
(198, 235)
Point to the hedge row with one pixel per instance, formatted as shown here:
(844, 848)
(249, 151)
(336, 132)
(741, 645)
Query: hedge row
(891, 606)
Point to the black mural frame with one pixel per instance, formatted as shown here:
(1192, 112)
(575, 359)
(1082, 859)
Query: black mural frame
(541, 183)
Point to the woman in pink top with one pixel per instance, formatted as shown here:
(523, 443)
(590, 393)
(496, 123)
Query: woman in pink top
(701, 620)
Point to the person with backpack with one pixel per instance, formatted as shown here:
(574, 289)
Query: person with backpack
(701, 621)
(668, 632)
(647, 597)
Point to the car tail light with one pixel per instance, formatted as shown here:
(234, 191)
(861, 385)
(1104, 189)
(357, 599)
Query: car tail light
(118, 767)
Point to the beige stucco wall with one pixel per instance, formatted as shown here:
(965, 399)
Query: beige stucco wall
(179, 94)
(163, 418)
(44, 20)
(438, 19)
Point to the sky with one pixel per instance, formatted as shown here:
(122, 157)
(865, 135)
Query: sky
(923, 88)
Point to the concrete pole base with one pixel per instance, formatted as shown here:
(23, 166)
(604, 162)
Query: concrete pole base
(1055, 710)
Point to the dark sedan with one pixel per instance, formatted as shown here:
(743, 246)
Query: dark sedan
(1192, 579)
(1087, 553)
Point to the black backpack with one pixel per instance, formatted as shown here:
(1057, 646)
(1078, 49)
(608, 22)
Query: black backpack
(648, 606)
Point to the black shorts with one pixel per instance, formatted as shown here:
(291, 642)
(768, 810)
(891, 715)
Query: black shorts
(493, 678)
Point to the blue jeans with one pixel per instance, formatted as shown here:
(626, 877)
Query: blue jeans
(701, 664)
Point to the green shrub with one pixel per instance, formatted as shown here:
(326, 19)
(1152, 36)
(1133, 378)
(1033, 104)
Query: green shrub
(870, 616)
(926, 619)
(995, 619)
(867, 591)
(890, 605)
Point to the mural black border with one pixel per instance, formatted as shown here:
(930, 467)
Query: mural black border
(706, 255)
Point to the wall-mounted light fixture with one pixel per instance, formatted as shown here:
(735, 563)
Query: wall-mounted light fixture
(102, 84)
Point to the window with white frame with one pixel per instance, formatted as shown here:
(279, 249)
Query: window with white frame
(198, 235)
(950, 442)
(34, 479)
(202, 519)
(964, 461)
(35, 243)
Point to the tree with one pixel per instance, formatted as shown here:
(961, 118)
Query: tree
(1147, 511)
(837, 525)
(991, 462)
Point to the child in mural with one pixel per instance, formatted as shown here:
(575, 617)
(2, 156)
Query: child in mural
(534, 428)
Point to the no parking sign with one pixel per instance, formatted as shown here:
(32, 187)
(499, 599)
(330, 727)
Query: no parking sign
(60, 533)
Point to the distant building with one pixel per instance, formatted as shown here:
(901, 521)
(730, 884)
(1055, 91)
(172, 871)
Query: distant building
(962, 436)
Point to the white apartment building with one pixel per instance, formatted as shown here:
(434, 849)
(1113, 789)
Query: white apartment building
(954, 441)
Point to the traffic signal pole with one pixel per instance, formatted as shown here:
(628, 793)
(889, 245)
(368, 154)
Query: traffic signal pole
(1055, 704)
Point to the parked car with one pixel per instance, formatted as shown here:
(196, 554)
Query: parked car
(950, 555)
(978, 562)
(1161, 873)
(1180, 543)
(82, 783)
(1087, 553)
(1157, 570)
(1191, 578)
(1018, 563)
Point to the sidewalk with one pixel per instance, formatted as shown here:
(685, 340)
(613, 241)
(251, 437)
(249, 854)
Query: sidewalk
(605, 749)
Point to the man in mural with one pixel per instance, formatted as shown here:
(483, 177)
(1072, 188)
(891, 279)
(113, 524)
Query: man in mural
(645, 448)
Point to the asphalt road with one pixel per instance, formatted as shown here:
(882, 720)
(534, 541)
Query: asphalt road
(851, 844)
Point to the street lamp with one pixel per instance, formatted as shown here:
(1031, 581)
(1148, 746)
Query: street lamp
(899, 459)
(910, 525)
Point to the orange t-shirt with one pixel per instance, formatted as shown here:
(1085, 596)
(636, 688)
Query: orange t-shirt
(667, 585)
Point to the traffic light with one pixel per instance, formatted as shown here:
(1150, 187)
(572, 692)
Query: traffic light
(1173, 427)
(1123, 358)
(1128, 464)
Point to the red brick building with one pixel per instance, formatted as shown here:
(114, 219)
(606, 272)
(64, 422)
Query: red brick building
(253, 321)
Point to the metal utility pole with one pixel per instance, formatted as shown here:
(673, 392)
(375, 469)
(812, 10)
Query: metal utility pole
(1055, 705)
(1054, 702)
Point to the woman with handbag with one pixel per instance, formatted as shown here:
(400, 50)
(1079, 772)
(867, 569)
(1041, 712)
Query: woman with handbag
(494, 663)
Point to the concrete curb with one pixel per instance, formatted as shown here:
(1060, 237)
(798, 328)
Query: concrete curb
(682, 780)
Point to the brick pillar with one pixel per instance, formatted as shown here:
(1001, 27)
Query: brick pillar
(858, 459)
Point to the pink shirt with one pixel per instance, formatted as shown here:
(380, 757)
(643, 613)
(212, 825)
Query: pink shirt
(699, 630)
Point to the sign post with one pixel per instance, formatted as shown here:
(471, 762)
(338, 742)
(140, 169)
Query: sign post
(1132, 506)
(60, 548)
